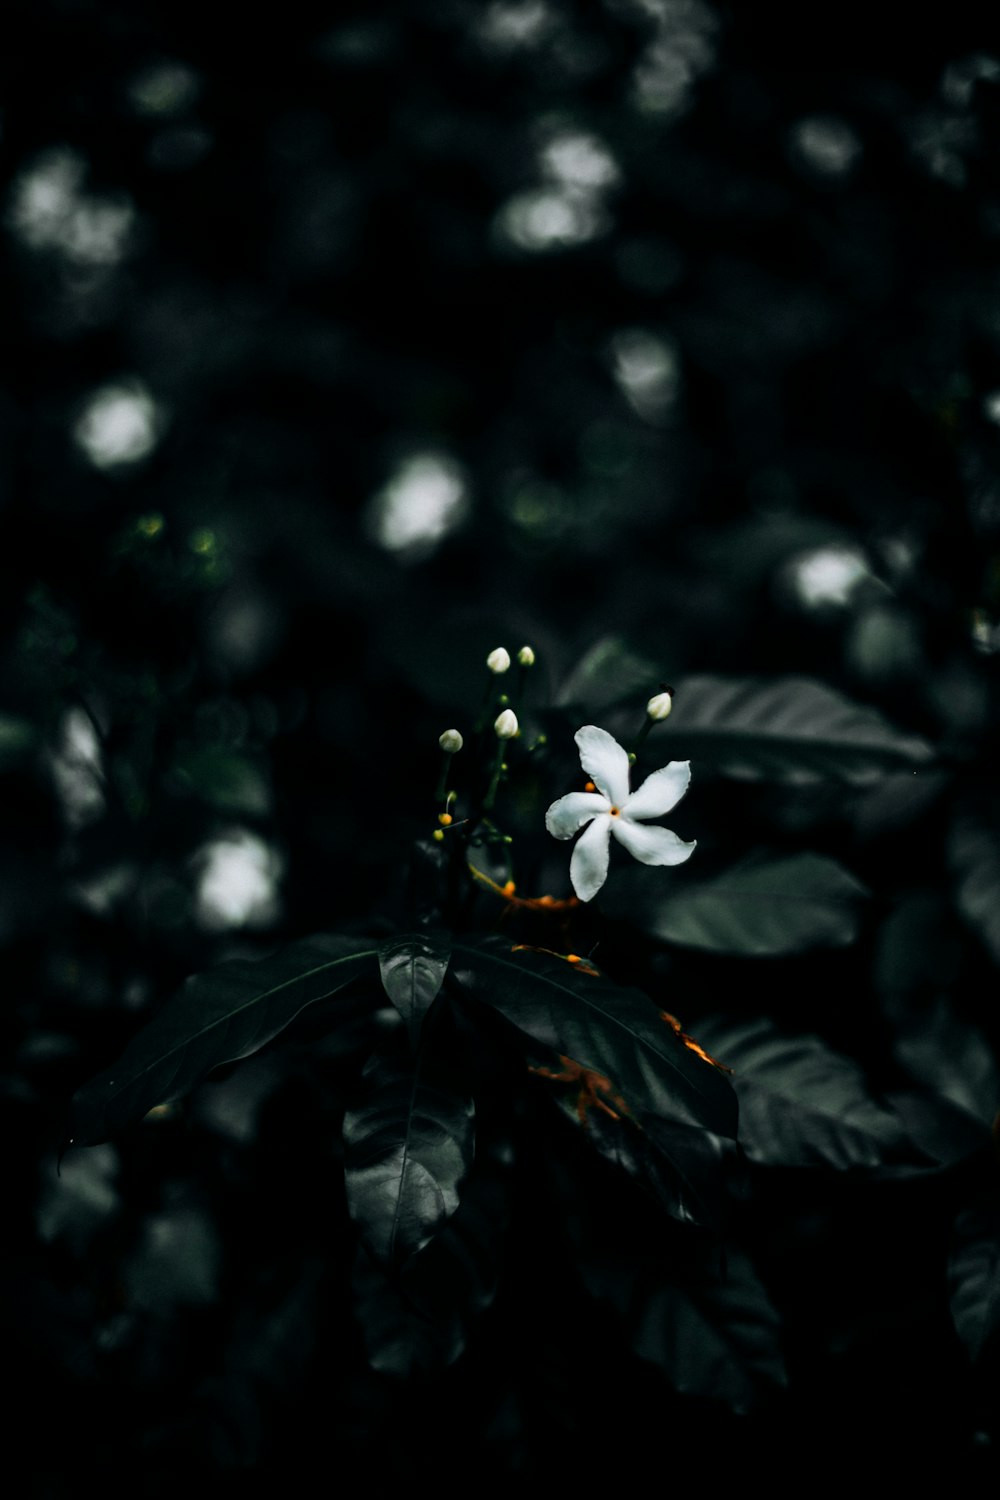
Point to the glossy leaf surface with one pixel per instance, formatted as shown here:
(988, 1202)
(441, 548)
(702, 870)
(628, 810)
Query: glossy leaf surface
(226, 1013)
(801, 1103)
(617, 1032)
(409, 1144)
(421, 1318)
(413, 969)
(786, 729)
(762, 906)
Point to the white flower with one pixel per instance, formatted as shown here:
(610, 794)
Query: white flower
(498, 661)
(505, 725)
(451, 741)
(659, 706)
(613, 809)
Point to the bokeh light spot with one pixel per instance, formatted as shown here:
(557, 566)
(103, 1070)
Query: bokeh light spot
(238, 878)
(647, 371)
(49, 210)
(423, 502)
(165, 88)
(120, 425)
(828, 577)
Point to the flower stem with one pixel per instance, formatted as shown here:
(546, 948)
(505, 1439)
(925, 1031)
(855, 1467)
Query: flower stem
(442, 786)
(491, 794)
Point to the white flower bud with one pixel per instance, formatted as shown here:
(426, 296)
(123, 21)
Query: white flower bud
(526, 656)
(660, 705)
(506, 725)
(451, 742)
(498, 661)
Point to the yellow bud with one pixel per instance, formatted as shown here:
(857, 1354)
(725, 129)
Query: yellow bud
(438, 835)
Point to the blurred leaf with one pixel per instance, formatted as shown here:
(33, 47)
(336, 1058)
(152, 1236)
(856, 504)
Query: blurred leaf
(974, 859)
(18, 740)
(413, 970)
(422, 1317)
(802, 1104)
(76, 1201)
(226, 779)
(974, 1278)
(748, 551)
(898, 801)
(176, 1262)
(763, 905)
(943, 1132)
(919, 948)
(786, 729)
(614, 1031)
(227, 1013)
(409, 1145)
(608, 673)
(952, 1057)
(716, 1336)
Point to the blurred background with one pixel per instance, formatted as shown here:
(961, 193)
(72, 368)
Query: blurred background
(341, 350)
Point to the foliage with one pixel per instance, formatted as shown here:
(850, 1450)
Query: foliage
(343, 351)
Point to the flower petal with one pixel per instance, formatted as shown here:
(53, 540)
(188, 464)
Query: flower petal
(588, 868)
(660, 792)
(652, 846)
(605, 762)
(572, 811)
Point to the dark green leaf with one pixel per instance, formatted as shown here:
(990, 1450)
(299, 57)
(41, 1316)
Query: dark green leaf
(413, 970)
(226, 779)
(609, 673)
(802, 1104)
(974, 858)
(786, 729)
(685, 1170)
(974, 1278)
(409, 1145)
(764, 905)
(951, 1056)
(422, 1317)
(18, 741)
(715, 1335)
(227, 1013)
(614, 1031)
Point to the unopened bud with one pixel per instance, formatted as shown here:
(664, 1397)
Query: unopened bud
(498, 661)
(506, 726)
(451, 742)
(660, 705)
(526, 656)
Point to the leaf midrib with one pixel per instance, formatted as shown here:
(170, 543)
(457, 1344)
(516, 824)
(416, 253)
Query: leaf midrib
(254, 1000)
